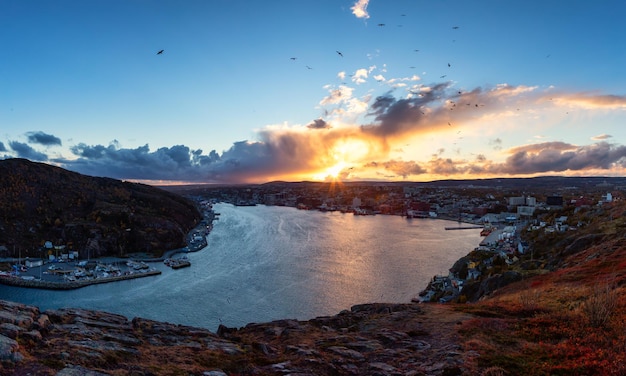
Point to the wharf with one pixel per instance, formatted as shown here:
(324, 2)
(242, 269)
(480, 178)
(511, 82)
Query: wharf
(464, 228)
(70, 285)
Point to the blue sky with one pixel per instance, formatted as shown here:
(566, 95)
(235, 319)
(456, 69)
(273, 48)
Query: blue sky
(254, 91)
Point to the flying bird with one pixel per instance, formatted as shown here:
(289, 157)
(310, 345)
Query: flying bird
(160, 52)
(293, 58)
(449, 65)
(339, 53)
(307, 67)
(444, 76)
(381, 24)
(455, 27)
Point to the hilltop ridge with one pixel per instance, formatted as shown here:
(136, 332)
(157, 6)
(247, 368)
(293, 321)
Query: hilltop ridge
(91, 215)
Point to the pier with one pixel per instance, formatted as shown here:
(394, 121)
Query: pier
(70, 285)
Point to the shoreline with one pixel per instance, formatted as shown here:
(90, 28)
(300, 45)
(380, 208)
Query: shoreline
(193, 245)
(51, 285)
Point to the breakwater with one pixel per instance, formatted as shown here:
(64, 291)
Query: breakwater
(70, 285)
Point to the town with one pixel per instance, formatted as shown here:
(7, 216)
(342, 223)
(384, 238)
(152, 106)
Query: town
(500, 209)
(505, 211)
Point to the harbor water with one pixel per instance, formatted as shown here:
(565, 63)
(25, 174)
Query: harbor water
(264, 263)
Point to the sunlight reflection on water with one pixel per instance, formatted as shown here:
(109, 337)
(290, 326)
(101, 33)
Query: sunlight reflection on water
(267, 263)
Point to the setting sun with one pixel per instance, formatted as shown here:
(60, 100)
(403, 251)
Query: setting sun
(331, 172)
(344, 154)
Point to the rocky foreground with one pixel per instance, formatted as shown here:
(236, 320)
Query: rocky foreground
(370, 339)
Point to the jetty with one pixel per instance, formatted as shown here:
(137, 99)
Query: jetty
(70, 285)
(464, 228)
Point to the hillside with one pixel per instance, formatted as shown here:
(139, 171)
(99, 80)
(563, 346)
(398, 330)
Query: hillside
(92, 215)
(566, 316)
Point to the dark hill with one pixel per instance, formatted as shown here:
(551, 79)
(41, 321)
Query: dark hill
(92, 215)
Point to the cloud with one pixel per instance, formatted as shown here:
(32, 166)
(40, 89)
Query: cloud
(2, 147)
(43, 138)
(318, 124)
(337, 95)
(359, 9)
(399, 168)
(562, 157)
(25, 151)
(358, 146)
(593, 101)
(398, 117)
(360, 76)
(177, 163)
(496, 144)
(601, 137)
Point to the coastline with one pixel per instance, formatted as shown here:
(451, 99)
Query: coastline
(70, 285)
(194, 244)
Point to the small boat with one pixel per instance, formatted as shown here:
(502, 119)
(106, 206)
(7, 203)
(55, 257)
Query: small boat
(177, 263)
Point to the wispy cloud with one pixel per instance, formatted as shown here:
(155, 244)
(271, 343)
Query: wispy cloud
(601, 137)
(592, 101)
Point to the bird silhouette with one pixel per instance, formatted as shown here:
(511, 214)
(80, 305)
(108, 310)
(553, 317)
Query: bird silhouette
(160, 52)
(339, 53)
(381, 24)
(455, 27)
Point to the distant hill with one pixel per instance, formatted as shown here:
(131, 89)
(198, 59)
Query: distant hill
(92, 215)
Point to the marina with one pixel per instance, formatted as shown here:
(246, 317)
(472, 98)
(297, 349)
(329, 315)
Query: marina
(68, 273)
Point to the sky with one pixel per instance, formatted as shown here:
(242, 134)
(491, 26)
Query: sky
(315, 90)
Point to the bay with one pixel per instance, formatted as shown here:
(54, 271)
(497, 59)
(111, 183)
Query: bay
(264, 263)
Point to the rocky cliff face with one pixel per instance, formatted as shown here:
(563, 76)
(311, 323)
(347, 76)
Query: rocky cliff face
(370, 339)
(91, 215)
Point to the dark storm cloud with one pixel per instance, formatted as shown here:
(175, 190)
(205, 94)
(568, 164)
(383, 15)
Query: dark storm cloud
(560, 157)
(318, 124)
(25, 151)
(43, 138)
(396, 117)
(175, 163)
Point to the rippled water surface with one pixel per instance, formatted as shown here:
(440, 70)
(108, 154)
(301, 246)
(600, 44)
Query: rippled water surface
(267, 263)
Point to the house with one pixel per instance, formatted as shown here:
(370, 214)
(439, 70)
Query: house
(33, 263)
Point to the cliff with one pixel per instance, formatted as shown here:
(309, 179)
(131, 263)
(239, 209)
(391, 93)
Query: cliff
(92, 215)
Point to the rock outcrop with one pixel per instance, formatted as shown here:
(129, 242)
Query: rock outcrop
(370, 339)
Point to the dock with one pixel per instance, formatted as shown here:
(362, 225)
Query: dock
(70, 285)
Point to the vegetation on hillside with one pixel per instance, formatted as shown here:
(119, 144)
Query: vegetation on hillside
(92, 215)
(568, 317)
